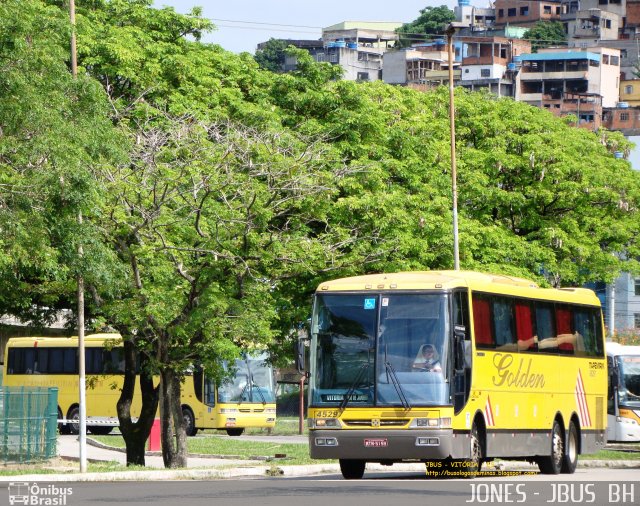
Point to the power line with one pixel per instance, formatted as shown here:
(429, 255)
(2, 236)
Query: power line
(263, 23)
(265, 29)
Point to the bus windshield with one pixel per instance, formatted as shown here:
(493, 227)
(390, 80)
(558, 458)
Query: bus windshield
(629, 386)
(252, 382)
(382, 350)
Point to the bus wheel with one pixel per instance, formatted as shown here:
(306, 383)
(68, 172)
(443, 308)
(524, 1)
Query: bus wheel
(235, 432)
(475, 462)
(62, 427)
(552, 464)
(352, 469)
(100, 430)
(74, 420)
(189, 422)
(570, 459)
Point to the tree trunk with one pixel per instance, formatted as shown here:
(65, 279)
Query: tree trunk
(136, 434)
(174, 438)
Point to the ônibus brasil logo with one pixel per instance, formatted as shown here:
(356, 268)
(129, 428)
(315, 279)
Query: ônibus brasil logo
(33, 494)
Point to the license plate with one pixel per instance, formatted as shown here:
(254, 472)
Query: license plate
(376, 443)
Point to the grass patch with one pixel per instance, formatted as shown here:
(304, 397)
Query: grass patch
(612, 455)
(285, 426)
(60, 466)
(260, 452)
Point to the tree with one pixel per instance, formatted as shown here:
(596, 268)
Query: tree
(272, 56)
(546, 34)
(54, 132)
(209, 217)
(432, 21)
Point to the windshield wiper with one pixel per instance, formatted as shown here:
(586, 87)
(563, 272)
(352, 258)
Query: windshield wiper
(244, 388)
(353, 386)
(391, 372)
(258, 389)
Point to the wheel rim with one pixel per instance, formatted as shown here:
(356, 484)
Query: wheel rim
(75, 417)
(573, 446)
(476, 450)
(557, 447)
(188, 422)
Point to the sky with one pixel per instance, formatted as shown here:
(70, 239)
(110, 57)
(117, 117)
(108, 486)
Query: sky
(242, 24)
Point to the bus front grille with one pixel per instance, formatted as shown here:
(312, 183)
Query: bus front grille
(398, 422)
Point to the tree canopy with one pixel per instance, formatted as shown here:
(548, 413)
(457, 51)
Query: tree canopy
(272, 55)
(545, 34)
(217, 194)
(432, 21)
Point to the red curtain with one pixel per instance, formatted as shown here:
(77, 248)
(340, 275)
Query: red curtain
(563, 326)
(482, 321)
(524, 326)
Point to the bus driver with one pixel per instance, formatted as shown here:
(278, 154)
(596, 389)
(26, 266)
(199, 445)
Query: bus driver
(427, 359)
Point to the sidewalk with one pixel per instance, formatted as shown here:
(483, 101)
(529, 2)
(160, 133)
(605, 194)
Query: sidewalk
(224, 467)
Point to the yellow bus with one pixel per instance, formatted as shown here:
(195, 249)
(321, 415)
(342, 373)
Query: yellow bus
(246, 400)
(454, 369)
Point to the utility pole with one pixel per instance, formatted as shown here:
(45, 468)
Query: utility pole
(451, 30)
(82, 431)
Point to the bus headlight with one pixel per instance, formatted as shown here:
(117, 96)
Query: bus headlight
(270, 411)
(326, 441)
(630, 421)
(324, 423)
(228, 411)
(430, 423)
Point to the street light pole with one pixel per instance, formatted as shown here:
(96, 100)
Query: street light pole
(82, 411)
(451, 30)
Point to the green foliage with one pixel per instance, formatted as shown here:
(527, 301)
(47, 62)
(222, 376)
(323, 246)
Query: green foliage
(272, 56)
(54, 132)
(545, 34)
(629, 337)
(432, 21)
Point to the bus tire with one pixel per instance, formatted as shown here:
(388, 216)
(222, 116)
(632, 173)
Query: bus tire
(235, 432)
(570, 458)
(352, 469)
(552, 464)
(74, 420)
(100, 430)
(62, 427)
(189, 422)
(477, 452)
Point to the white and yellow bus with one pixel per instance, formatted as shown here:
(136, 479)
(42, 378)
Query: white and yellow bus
(245, 400)
(454, 369)
(623, 409)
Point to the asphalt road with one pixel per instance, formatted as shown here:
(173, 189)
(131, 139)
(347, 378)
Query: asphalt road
(595, 486)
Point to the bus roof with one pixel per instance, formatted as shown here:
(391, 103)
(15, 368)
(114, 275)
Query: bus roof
(447, 280)
(616, 349)
(45, 342)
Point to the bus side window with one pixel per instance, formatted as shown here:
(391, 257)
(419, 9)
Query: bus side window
(588, 332)
(527, 340)
(545, 325)
(503, 323)
(564, 328)
(482, 322)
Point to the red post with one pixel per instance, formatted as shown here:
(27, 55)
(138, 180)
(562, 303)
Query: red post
(154, 436)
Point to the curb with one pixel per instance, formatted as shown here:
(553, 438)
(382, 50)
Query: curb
(268, 471)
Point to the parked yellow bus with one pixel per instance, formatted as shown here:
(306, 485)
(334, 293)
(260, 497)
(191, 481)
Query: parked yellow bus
(454, 369)
(246, 400)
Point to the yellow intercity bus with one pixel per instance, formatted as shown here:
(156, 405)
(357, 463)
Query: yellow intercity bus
(454, 369)
(246, 400)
